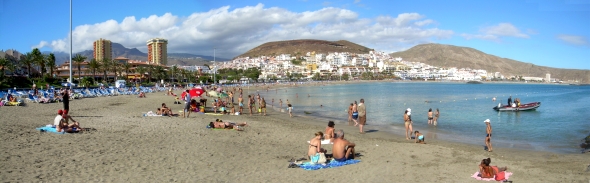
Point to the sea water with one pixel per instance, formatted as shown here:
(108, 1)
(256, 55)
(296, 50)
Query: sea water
(557, 126)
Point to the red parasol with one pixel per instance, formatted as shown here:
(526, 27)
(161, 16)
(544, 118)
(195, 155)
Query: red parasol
(195, 92)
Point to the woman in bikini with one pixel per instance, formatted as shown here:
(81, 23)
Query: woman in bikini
(315, 145)
(430, 116)
(408, 123)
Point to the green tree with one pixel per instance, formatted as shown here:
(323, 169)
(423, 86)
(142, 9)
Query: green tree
(50, 60)
(28, 60)
(94, 65)
(79, 59)
(141, 71)
(126, 67)
(39, 60)
(150, 70)
(4, 63)
(106, 64)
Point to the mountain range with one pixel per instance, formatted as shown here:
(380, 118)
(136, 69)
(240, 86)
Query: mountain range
(302, 46)
(441, 55)
(134, 54)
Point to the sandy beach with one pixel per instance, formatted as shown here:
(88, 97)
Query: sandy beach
(127, 147)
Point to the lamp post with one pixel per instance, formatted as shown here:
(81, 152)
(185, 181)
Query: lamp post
(71, 81)
(214, 67)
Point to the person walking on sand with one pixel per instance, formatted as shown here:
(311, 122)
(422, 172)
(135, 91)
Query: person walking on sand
(187, 104)
(281, 103)
(241, 103)
(362, 110)
(488, 140)
(263, 106)
(250, 103)
(408, 123)
(436, 115)
(430, 116)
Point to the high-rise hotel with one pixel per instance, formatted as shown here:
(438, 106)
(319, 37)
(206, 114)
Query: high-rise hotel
(157, 51)
(102, 49)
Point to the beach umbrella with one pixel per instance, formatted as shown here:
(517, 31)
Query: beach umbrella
(219, 89)
(212, 93)
(195, 92)
(223, 95)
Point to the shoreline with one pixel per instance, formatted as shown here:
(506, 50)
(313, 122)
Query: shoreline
(449, 136)
(129, 147)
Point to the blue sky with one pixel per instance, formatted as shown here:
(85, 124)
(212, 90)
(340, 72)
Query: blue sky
(542, 32)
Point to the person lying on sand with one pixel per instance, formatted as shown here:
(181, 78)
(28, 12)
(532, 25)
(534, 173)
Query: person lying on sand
(226, 125)
(141, 95)
(487, 171)
(342, 149)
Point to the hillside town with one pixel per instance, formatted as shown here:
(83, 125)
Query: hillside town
(354, 65)
(281, 67)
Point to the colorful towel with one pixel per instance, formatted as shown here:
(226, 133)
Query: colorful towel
(331, 164)
(507, 174)
(49, 129)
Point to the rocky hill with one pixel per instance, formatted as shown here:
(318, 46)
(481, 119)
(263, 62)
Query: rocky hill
(302, 46)
(463, 57)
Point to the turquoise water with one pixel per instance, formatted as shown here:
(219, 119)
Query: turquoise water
(557, 126)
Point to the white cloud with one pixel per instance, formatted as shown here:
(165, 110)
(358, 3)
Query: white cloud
(41, 44)
(236, 31)
(496, 32)
(572, 39)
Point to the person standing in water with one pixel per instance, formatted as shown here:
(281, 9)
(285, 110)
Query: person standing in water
(430, 116)
(362, 110)
(488, 140)
(436, 115)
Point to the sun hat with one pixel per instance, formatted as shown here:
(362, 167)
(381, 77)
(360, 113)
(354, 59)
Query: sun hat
(487, 121)
(409, 113)
(409, 110)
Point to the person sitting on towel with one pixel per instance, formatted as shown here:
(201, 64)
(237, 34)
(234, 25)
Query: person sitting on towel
(219, 124)
(329, 131)
(74, 123)
(315, 145)
(166, 111)
(342, 149)
(60, 123)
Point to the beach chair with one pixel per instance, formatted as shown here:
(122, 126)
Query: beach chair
(33, 98)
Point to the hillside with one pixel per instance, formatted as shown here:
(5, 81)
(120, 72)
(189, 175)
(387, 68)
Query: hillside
(462, 57)
(302, 46)
(134, 54)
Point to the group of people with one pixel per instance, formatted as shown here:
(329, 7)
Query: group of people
(357, 113)
(342, 149)
(61, 122)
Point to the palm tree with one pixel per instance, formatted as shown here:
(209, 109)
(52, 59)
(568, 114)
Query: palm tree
(4, 63)
(94, 65)
(150, 69)
(141, 71)
(50, 60)
(106, 63)
(78, 59)
(115, 67)
(126, 67)
(39, 60)
(27, 60)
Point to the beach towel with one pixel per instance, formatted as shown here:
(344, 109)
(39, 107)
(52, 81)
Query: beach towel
(507, 175)
(49, 128)
(150, 113)
(324, 142)
(208, 127)
(331, 164)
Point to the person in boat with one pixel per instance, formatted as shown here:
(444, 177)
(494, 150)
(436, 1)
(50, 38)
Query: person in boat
(517, 101)
(510, 101)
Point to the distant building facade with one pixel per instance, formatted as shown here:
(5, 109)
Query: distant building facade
(102, 49)
(158, 51)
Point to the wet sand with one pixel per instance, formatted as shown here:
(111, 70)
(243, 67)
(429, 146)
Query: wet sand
(127, 147)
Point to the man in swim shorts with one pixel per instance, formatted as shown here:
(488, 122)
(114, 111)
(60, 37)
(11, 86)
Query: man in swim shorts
(342, 149)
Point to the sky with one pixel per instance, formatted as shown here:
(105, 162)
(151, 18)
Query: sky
(553, 33)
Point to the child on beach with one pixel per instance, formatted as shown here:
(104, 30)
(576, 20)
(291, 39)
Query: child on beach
(419, 137)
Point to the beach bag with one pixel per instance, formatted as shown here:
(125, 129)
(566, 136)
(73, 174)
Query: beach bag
(318, 158)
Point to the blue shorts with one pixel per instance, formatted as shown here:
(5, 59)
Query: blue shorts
(341, 159)
(355, 115)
